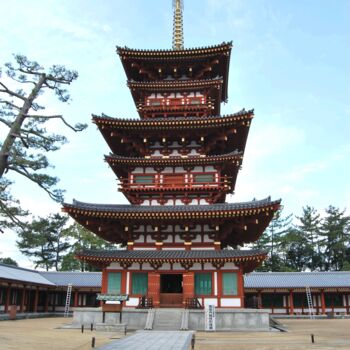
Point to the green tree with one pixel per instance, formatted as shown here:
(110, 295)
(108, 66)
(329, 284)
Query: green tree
(296, 250)
(81, 239)
(26, 139)
(8, 261)
(45, 241)
(272, 239)
(335, 239)
(309, 235)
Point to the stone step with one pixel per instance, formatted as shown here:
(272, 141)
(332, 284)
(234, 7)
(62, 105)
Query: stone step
(167, 319)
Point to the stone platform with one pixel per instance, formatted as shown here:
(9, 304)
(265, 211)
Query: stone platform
(156, 340)
(250, 320)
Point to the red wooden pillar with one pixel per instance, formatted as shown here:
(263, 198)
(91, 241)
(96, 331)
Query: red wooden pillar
(104, 286)
(240, 285)
(47, 298)
(154, 287)
(291, 302)
(346, 296)
(23, 298)
(259, 299)
(36, 299)
(76, 296)
(323, 303)
(187, 286)
(8, 295)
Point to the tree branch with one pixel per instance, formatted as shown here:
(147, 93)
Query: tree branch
(6, 122)
(10, 92)
(30, 177)
(9, 104)
(55, 117)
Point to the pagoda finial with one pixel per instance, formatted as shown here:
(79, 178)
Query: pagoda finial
(178, 34)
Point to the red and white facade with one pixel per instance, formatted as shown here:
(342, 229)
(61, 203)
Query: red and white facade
(175, 165)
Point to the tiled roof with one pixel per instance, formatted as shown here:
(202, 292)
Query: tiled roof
(166, 54)
(125, 208)
(175, 122)
(77, 279)
(15, 273)
(297, 279)
(171, 254)
(116, 159)
(164, 84)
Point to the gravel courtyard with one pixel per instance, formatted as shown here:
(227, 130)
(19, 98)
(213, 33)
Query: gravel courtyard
(47, 333)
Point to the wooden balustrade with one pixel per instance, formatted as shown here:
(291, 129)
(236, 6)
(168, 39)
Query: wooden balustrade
(221, 184)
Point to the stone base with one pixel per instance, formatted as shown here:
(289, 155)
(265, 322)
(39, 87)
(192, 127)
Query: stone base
(132, 318)
(103, 327)
(248, 320)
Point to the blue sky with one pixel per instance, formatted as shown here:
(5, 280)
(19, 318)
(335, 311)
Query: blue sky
(290, 61)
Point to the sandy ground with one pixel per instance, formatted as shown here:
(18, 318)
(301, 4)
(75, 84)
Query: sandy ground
(38, 334)
(328, 334)
(47, 334)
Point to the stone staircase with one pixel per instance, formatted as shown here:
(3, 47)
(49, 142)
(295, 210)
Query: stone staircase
(167, 319)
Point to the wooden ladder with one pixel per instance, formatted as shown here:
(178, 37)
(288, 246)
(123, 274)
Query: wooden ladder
(68, 298)
(310, 303)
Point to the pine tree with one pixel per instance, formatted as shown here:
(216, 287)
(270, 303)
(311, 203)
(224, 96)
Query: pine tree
(44, 241)
(335, 239)
(271, 240)
(81, 239)
(26, 140)
(309, 233)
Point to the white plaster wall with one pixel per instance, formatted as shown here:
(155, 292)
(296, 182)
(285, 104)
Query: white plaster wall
(196, 266)
(203, 248)
(206, 239)
(165, 266)
(229, 266)
(197, 239)
(211, 301)
(179, 169)
(208, 266)
(137, 170)
(145, 248)
(176, 248)
(147, 266)
(114, 266)
(177, 266)
(210, 168)
(149, 170)
(149, 239)
(127, 282)
(168, 240)
(132, 302)
(233, 302)
(134, 266)
(178, 239)
(139, 240)
(156, 153)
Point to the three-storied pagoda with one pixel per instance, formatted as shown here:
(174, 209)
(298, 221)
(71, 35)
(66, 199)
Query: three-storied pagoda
(176, 164)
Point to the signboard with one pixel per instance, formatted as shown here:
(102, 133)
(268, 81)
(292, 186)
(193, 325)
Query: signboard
(113, 297)
(210, 321)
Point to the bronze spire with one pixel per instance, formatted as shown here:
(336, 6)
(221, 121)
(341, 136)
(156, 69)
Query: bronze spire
(178, 34)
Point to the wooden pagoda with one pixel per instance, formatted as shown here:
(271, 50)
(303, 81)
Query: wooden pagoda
(176, 164)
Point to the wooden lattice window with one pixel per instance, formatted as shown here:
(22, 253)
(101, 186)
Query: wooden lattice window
(203, 283)
(144, 179)
(139, 283)
(114, 279)
(204, 178)
(229, 283)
